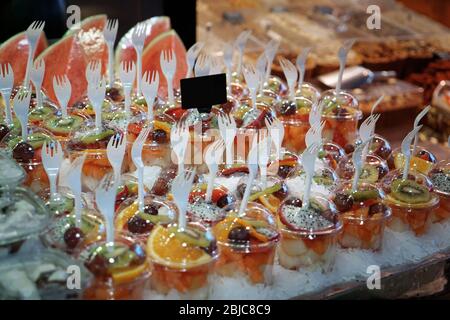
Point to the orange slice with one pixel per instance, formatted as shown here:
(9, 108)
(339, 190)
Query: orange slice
(129, 274)
(416, 163)
(270, 202)
(125, 215)
(165, 249)
(162, 125)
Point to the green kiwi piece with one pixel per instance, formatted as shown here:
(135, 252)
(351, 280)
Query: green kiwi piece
(40, 113)
(364, 195)
(154, 218)
(92, 138)
(409, 191)
(369, 174)
(63, 126)
(324, 181)
(191, 237)
(59, 207)
(36, 140)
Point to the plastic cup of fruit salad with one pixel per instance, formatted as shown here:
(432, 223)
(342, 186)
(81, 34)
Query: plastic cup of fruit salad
(364, 215)
(64, 234)
(247, 243)
(421, 161)
(22, 216)
(309, 235)
(295, 118)
(157, 149)
(308, 91)
(373, 170)
(411, 200)
(28, 155)
(40, 275)
(138, 225)
(284, 165)
(270, 195)
(440, 178)
(182, 260)
(379, 146)
(324, 181)
(93, 143)
(208, 213)
(120, 269)
(341, 115)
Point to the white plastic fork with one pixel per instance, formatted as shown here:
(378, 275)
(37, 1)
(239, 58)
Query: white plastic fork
(21, 105)
(358, 162)
(215, 65)
(191, 56)
(168, 62)
(96, 94)
(276, 131)
(179, 138)
(261, 65)
(6, 86)
(127, 74)
(74, 180)
(406, 149)
(213, 156)
(105, 198)
(342, 55)
(301, 66)
(110, 34)
(228, 61)
(202, 65)
(228, 131)
(252, 164)
(136, 156)
(150, 85)
(291, 75)
(366, 131)
(115, 152)
(308, 160)
(93, 72)
(416, 123)
(138, 40)
(63, 90)
(316, 114)
(33, 32)
(270, 51)
(37, 75)
(181, 187)
(263, 154)
(314, 134)
(239, 44)
(52, 157)
(252, 79)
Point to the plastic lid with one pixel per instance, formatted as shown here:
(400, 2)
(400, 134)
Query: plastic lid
(374, 169)
(309, 92)
(341, 106)
(89, 137)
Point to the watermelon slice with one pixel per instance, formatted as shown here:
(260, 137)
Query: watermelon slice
(15, 52)
(65, 57)
(125, 50)
(151, 55)
(98, 22)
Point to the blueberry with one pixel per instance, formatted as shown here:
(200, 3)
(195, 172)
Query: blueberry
(72, 237)
(343, 202)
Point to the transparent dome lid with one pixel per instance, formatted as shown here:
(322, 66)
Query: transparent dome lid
(324, 181)
(249, 117)
(412, 192)
(161, 128)
(318, 217)
(421, 160)
(440, 178)
(373, 170)
(182, 248)
(308, 91)
(276, 85)
(339, 106)
(253, 230)
(90, 137)
(293, 111)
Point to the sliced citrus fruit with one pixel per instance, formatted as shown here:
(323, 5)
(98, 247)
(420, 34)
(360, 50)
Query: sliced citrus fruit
(166, 249)
(163, 126)
(129, 274)
(419, 164)
(125, 215)
(270, 202)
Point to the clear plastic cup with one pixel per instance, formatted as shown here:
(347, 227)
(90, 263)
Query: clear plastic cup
(374, 169)
(309, 236)
(440, 178)
(308, 91)
(341, 115)
(411, 201)
(422, 160)
(120, 269)
(363, 214)
(247, 243)
(182, 260)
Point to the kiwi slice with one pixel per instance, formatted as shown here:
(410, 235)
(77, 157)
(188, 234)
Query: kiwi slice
(322, 180)
(409, 191)
(92, 138)
(65, 125)
(270, 190)
(36, 140)
(369, 174)
(58, 207)
(154, 218)
(88, 223)
(123, 260)
(190, 236)
(364, 195)
(40, 113)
